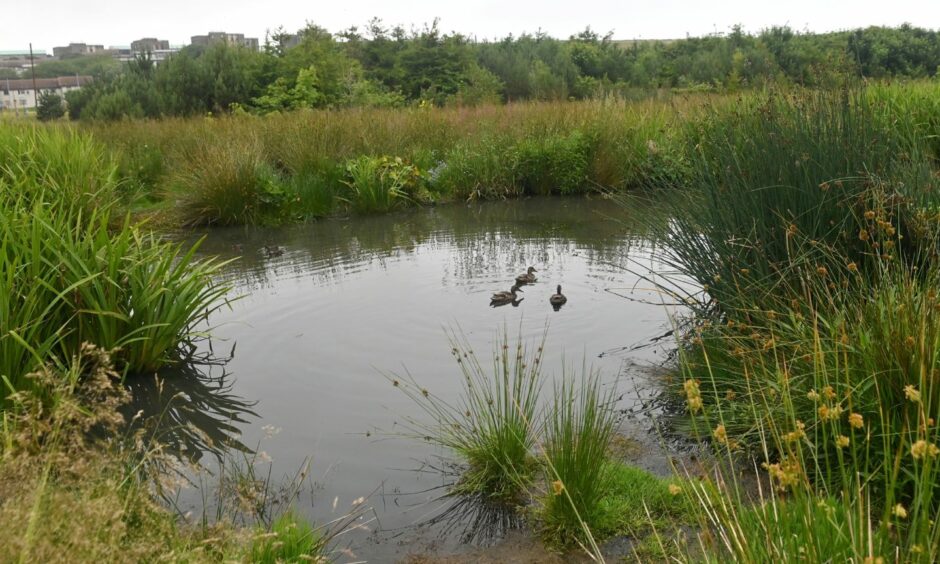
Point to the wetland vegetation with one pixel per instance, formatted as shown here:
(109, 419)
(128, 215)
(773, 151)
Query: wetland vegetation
(807, 354)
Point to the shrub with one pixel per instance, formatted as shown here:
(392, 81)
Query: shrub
(553, 164)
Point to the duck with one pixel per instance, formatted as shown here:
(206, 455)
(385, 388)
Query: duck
(502, 298)
(557, 299)
(272, 251)
(526, 278)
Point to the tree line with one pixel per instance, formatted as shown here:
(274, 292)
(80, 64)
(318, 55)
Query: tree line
(379, 66)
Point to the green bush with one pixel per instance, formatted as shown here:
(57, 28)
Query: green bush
(554, 164)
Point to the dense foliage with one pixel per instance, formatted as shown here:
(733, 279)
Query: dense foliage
(383, 67)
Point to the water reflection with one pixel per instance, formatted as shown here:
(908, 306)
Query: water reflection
(351, 299)
(190, 410)
(481, 241)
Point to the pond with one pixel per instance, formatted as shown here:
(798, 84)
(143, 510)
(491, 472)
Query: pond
(329, 311)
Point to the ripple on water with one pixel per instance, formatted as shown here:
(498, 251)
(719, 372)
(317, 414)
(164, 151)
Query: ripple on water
(349, 302)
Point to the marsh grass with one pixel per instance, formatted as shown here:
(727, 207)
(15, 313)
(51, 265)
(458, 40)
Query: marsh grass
(814, 359)
(579, 427)
(218, 170)
(493, 426)
(70, 275)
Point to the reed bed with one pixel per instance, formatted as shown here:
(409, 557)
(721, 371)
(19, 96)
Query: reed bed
(812, 354)
(249, 169)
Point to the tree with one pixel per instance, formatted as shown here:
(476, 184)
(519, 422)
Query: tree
(50, 106)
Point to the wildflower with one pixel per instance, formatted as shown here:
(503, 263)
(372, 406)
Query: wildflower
(674, 489)
(812, 395)
(823, 412)
(824, 186)
(842, 441)
(794, 436)
(745, 271)
(557, 487)
(869, 215)
(792, 230)
(720, 434)
(829, 393)
(695, 404)
(855, 420)
(863, 235)
(785, 473)
(852, 267)
(922, 448)
(730, 395)
(899, 511)
(911, 393)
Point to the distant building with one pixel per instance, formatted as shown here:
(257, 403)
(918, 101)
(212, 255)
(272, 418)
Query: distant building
(18, 94)
(19, 60)
(155, 55)
(150, 44)
(215, 37)
(77, 49)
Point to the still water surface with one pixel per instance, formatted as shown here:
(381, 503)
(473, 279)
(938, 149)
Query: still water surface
(318, 329)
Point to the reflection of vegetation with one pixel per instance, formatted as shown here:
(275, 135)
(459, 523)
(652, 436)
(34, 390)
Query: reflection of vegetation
(476, 519)
(72, 487)
(189, 411)
(479, 236)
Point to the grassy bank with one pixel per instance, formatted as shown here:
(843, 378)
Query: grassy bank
(299, 165)
(307, 164)
(813, 354)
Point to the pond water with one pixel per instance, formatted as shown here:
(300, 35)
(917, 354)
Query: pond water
(322, 322)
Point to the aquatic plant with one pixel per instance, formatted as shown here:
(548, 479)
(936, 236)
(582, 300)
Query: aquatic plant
(78, 480)
(814, 360)
(578, 430)
(71, 274)
(494, 424)
(379, 184)
(226, 182)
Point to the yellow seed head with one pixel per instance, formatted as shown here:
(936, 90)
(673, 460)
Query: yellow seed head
(842, 441)
(856, 420)
(720, 434)
(899, 511)
(557, 487)
(674, 489)
(911, 393)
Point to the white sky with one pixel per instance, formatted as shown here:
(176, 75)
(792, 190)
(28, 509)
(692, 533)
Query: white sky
(47, 23)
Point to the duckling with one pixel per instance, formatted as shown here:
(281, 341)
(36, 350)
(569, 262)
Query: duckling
(526, 278)
(557, 299)
(503, 298)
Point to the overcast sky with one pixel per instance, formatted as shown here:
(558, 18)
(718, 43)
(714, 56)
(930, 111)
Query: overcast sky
(47, 23)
